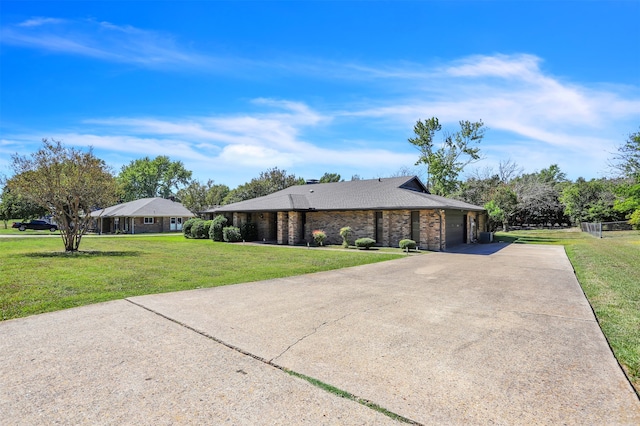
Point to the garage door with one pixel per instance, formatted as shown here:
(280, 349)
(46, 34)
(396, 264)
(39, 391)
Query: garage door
(455, 222)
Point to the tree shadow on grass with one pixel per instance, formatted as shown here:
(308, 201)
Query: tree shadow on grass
(83, 254)
(525, 239)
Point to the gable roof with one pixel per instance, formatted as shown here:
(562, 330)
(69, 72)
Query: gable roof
(145, 207)
(406, 192)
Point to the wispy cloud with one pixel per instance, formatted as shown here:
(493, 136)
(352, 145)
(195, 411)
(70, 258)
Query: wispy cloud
(103, 40)
(531, 114)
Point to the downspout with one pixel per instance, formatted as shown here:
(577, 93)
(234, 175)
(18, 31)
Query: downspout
(440, 228)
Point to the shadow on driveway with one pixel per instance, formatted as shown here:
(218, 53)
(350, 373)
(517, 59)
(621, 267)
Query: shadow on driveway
(481, 249)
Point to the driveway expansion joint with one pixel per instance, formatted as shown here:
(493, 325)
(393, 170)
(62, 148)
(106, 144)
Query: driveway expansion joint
(343, 394)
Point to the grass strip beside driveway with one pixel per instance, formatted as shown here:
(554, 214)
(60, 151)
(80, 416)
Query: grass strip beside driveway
(608, 270)
(36, 275)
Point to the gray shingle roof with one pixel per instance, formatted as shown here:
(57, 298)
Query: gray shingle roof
(405, 192)
(145, 207)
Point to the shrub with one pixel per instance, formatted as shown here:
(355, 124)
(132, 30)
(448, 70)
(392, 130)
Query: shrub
(231, 234)
(319, 236)
(345, 233)
(634, 219)
(249, 231)
(407, 244)
(200, 229)
(217, 225)
(186, 227)
(365, 243)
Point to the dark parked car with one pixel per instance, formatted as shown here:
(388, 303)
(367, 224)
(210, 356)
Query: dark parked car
(39, 225)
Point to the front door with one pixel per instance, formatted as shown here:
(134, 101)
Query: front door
(172, 224)
(179, 224)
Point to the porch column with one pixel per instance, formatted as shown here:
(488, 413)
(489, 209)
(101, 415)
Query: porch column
(282, 231)
(295, 223)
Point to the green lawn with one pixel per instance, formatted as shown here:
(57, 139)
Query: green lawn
(608, 270)
(37, 276)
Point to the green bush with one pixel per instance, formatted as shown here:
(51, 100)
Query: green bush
(319, 236)
(634, 219)
(407, 244)
(365, 243)
(249, 231)
(231, 234)
(200, 229)
(345, 233)
(217, 225)
(186, 227)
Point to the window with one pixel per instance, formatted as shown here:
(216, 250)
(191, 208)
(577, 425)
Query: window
(148, 220)
(415, 226)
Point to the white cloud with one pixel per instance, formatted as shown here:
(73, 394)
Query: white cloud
(531, 115)
(36, 22)
(103, 40)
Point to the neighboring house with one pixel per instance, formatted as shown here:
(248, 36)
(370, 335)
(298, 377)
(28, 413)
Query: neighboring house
(142, 216)
(387, 210)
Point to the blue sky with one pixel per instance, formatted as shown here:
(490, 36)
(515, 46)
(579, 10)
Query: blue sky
(234, 88)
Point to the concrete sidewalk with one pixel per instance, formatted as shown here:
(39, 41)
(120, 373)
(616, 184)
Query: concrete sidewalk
(501, 338)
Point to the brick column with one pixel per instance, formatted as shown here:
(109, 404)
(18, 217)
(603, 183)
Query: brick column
(294, 228)
(282, 233)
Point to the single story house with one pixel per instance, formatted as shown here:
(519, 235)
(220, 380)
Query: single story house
(386, 210)
(142, 216)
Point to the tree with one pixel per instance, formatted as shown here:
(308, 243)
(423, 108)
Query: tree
(590, 201)
(628, 163)
(145, 178)
(503, 208)
(14, 206)
(268, 182)
(627, 160)
(445, 163)
(66, 182)
(330, 177)
(539, 196)
(198, 196)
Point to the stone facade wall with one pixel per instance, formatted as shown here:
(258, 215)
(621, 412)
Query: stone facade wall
(264, 224)
(396, 226)
(361, 223)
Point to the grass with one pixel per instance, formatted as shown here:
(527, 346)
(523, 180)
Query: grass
(347, 395)
(36, 275)
(608, 270)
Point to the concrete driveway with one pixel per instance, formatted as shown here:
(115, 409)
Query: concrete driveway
(504, 337)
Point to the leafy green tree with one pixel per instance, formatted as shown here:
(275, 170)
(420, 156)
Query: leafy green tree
(506, 206)
(590, 201)
(67, 182)
(145, 178)
(627, 161)
(446, 162)
(330, 177)
(268, 182)
(198, 196)
(14, 206)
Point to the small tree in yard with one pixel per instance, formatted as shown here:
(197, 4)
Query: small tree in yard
(319, 236)
(67, 182)
(345, 233)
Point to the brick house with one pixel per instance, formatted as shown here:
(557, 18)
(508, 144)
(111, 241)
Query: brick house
(142, 216)
(387, 210)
